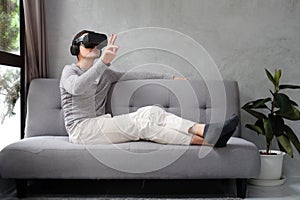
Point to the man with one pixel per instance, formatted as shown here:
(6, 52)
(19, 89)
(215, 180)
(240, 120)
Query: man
(84, 87)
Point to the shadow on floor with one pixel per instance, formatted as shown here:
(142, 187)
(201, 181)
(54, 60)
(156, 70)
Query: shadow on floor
(132, 188)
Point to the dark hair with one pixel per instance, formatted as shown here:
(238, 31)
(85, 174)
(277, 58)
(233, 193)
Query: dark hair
(78, 35)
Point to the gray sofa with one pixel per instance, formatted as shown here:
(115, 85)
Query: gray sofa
(46, 153)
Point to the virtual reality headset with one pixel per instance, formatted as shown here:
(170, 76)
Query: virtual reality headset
(89, 40)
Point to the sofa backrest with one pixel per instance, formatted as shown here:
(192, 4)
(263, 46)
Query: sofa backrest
(44, 114)
(195, 100)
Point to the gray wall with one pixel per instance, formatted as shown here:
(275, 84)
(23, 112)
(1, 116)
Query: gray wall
(242, 37)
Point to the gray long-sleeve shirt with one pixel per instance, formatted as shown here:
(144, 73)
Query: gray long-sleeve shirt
(84, 93)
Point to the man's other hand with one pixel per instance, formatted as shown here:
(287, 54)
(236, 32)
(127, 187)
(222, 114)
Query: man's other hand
(179, 78)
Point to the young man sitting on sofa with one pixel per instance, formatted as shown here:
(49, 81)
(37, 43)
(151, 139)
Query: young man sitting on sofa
(84, 87)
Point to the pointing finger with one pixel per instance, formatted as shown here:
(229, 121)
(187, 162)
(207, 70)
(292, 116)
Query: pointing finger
(114, 38)
(110, 39)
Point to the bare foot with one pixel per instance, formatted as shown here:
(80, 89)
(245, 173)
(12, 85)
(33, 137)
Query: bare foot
(197, 129)
(199, 141)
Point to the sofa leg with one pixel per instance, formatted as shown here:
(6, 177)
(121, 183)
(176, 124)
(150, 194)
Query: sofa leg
(241, 187)
(21, 185)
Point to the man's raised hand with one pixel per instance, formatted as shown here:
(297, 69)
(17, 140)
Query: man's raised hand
(110, 50)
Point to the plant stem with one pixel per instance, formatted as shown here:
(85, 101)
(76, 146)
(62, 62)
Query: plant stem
(272, 114)
(269, 149)
(273, 104)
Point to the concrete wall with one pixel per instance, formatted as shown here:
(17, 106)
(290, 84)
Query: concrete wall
(241, 36)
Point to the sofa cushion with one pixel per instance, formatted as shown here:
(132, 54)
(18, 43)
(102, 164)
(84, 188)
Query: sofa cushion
(54, 157)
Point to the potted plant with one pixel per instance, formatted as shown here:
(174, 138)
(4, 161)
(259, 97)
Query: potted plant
(271, 114)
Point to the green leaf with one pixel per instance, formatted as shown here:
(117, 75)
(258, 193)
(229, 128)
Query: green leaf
(260, 124)
(255, 128)
(292, 136)
(270, 77)
(293, 103)
(268, 131)
(283, 102)
(280, 147)
(292, 114)
(260, 103)
(286, 107)
(285, 143)
(277, 77)
(256, 114)
(281, 87)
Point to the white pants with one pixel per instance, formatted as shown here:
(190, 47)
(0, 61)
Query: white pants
(148, 123)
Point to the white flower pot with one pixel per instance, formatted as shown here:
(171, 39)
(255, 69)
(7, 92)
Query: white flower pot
(271, 165)
(271, 170)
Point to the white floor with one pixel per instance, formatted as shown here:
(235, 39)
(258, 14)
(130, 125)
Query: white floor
(290, 190)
